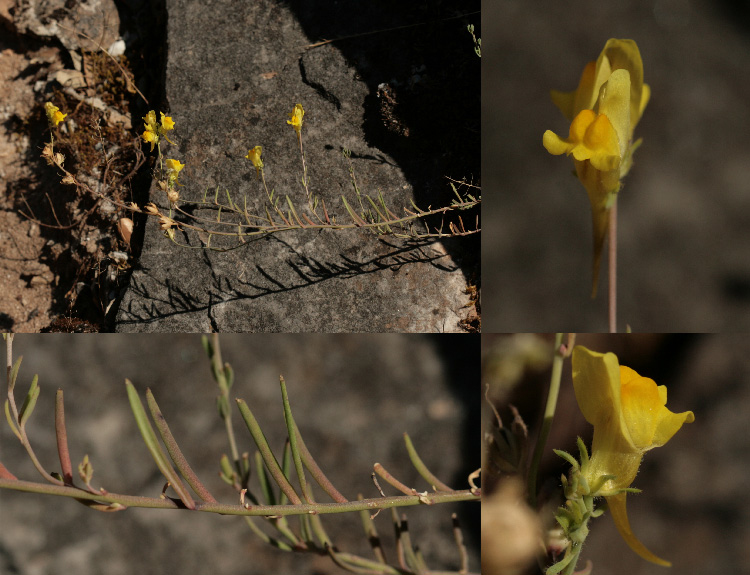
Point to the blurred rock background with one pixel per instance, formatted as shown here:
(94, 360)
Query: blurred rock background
(684, 209)
(694, 509)
(353, 397)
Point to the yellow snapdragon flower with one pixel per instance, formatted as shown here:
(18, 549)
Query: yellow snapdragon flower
(254, 156)
(295, 118)
(173, 171)
(54, 115)
(630, 417)
(603, 110)
(153, 131)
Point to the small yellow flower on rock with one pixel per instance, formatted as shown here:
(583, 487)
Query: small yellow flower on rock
(174, 166)
(173, 171)
(54, 115)
(296, 118)
(166, 122)
(604, 111)
(630, 417)
(254, 156)
(153, 131)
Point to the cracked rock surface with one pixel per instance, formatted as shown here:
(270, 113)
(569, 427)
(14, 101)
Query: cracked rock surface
(233, 74)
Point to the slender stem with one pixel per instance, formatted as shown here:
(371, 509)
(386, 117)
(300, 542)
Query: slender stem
(304, 167)
(549, 414)
(613, 268)
(221, 508)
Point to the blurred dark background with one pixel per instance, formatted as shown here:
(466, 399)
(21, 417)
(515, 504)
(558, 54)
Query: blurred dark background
(353, 397)
(684, 209)
(694, 509)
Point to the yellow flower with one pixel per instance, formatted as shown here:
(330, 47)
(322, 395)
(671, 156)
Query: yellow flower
(604, 110)
(153, 131)
(166, 122)
(296, 118)
(173, 171)
(174, 166)
(254, 156)
(54, 115)
(630, 417)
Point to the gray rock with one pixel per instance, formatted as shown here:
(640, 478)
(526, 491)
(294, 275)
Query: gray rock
(234, 72)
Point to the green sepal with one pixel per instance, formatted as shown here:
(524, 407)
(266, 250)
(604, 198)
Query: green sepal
(567, 457)
(597, 486)
(584, 453)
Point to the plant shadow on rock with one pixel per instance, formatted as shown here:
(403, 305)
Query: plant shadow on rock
(423, 107)
(308, 272)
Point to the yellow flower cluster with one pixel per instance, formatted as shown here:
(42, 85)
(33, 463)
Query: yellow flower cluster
(54, 115)
(603, 110)
(154, 131)
(630, 417)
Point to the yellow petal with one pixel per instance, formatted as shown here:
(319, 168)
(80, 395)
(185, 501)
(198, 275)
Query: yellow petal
(618, 509)
(166, 122)
(570, 103)
(596, 381)
(624, 54)
(614, 103)
(591, 137)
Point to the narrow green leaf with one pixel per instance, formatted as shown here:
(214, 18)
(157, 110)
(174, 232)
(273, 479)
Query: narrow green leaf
(229, 375)
(61, 435)
(291, 430)
(11, 423)
(269, 497)
(207, 347)
(14, 374)
(29, 403)
(428, 476)
(149, 437)
(265, 451)
(174, 450)
(357, 220)
(286, 469)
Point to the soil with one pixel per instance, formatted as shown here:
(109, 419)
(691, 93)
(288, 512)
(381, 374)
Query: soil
(62, 255)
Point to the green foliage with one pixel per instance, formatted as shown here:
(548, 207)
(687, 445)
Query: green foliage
(281, 495)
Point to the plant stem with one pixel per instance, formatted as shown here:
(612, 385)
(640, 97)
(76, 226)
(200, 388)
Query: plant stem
(549, 414)
(613, 268)
(226, 509)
